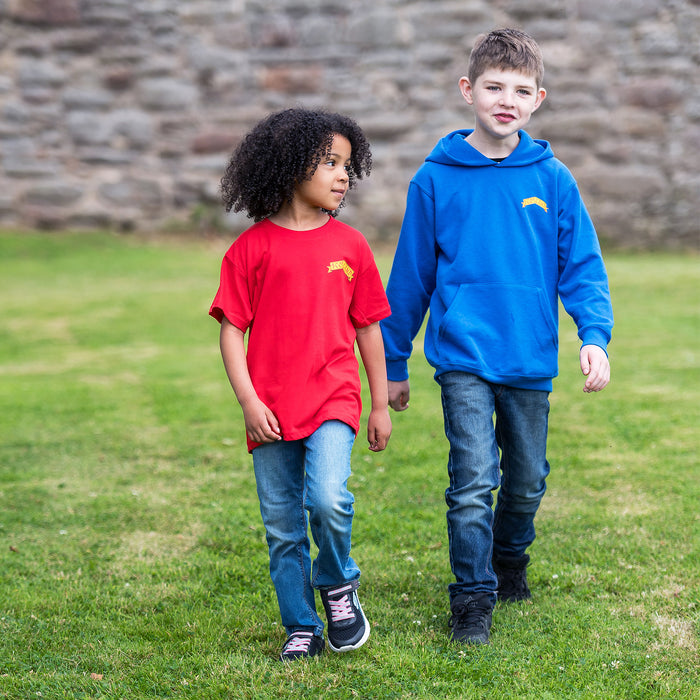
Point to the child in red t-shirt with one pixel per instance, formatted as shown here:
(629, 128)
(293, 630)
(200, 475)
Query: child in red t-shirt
(305, 288)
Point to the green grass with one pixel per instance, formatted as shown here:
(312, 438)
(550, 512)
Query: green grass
(132, 556)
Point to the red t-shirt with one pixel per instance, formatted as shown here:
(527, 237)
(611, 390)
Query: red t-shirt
(301, 294)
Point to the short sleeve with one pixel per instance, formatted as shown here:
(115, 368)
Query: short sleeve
(369, 303)
(233, 298)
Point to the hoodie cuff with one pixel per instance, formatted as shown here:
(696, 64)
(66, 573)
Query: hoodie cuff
(397, 370)
(595, 336)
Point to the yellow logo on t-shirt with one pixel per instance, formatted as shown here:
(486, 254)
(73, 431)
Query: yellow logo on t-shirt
(534, 200)
(342, 265)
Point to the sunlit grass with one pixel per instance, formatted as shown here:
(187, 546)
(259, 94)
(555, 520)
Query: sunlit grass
(132, 556)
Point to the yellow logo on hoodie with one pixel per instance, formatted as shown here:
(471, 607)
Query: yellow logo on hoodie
(534, 200)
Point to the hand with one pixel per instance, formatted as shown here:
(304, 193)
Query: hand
(261, 424)
(595, 367)
(378, 429)
(399, 393)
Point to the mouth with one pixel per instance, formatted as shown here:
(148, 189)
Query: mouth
(504, 117)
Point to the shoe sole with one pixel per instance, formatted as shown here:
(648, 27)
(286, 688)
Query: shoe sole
(352, 647)
(471, 641)
(513, 598)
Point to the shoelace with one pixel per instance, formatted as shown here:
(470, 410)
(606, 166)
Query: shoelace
(341, 609)
(298, 642)
(467, 615)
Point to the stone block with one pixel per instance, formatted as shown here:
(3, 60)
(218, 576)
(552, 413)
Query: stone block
(45, 218)
(660, 94)
(627, 13)
(40, 73)
(214, 142)
(293, 80)
(45, 12)
(622, 183)
(137, 193)
(88, 128)
(21, 159)
(133, 127)
(93, 156)
(576, 127)
(164, 94)
(119, 78)
(86, 98)
(53, 193)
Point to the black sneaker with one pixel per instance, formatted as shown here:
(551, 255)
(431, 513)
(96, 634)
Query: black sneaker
(301, 645)
(512, 578)
(347, 625)
(471, 618)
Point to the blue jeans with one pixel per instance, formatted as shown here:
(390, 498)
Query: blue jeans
(476, 533)
(294, 477)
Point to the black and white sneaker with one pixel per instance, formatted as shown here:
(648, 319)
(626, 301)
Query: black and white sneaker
(348, 628)
(302, 644)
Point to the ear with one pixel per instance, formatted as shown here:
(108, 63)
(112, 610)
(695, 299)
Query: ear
(465, 87)
(539, 99)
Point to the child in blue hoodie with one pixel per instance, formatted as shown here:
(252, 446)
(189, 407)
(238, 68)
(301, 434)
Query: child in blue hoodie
(494, 234)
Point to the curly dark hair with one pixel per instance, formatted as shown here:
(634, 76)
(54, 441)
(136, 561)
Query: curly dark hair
(283, 150)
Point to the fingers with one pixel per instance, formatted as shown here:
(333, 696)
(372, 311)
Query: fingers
(379, 443)
(595, 366)
(378, 430)
(264, 434)
(596, 382)
(400, 403)
(399, 394)
(264, 427)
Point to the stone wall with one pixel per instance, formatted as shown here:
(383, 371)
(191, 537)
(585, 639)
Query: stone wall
(122, 113)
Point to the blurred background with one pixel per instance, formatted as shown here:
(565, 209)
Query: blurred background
(121, 114)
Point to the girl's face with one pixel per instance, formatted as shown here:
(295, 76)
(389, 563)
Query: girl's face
(329, 183)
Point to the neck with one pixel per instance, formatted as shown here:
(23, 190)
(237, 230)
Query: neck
(297, 219)
(492, 148)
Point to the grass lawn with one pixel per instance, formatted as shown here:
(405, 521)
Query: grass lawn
(132, 557)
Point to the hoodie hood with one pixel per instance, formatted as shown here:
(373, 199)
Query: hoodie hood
(453, 149)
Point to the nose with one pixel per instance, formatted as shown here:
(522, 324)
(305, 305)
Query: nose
(507, 98)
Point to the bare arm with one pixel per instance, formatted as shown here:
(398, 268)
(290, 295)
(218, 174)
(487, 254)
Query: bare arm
(371, 346)
(260, 422)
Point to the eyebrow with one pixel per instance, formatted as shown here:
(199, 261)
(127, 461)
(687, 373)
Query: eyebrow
(337, 156)
(518, 87)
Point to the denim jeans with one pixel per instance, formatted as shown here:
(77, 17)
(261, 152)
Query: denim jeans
(294, 477)
(476, 533)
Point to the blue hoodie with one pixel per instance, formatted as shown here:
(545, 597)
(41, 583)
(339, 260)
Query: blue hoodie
(489, 247)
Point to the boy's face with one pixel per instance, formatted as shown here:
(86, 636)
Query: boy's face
(503, 102)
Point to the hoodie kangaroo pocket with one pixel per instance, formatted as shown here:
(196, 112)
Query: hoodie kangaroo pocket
(504, 330)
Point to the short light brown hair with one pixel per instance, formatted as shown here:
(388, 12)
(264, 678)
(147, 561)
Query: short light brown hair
(506, 49)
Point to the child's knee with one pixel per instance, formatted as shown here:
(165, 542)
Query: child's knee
(330, 505)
